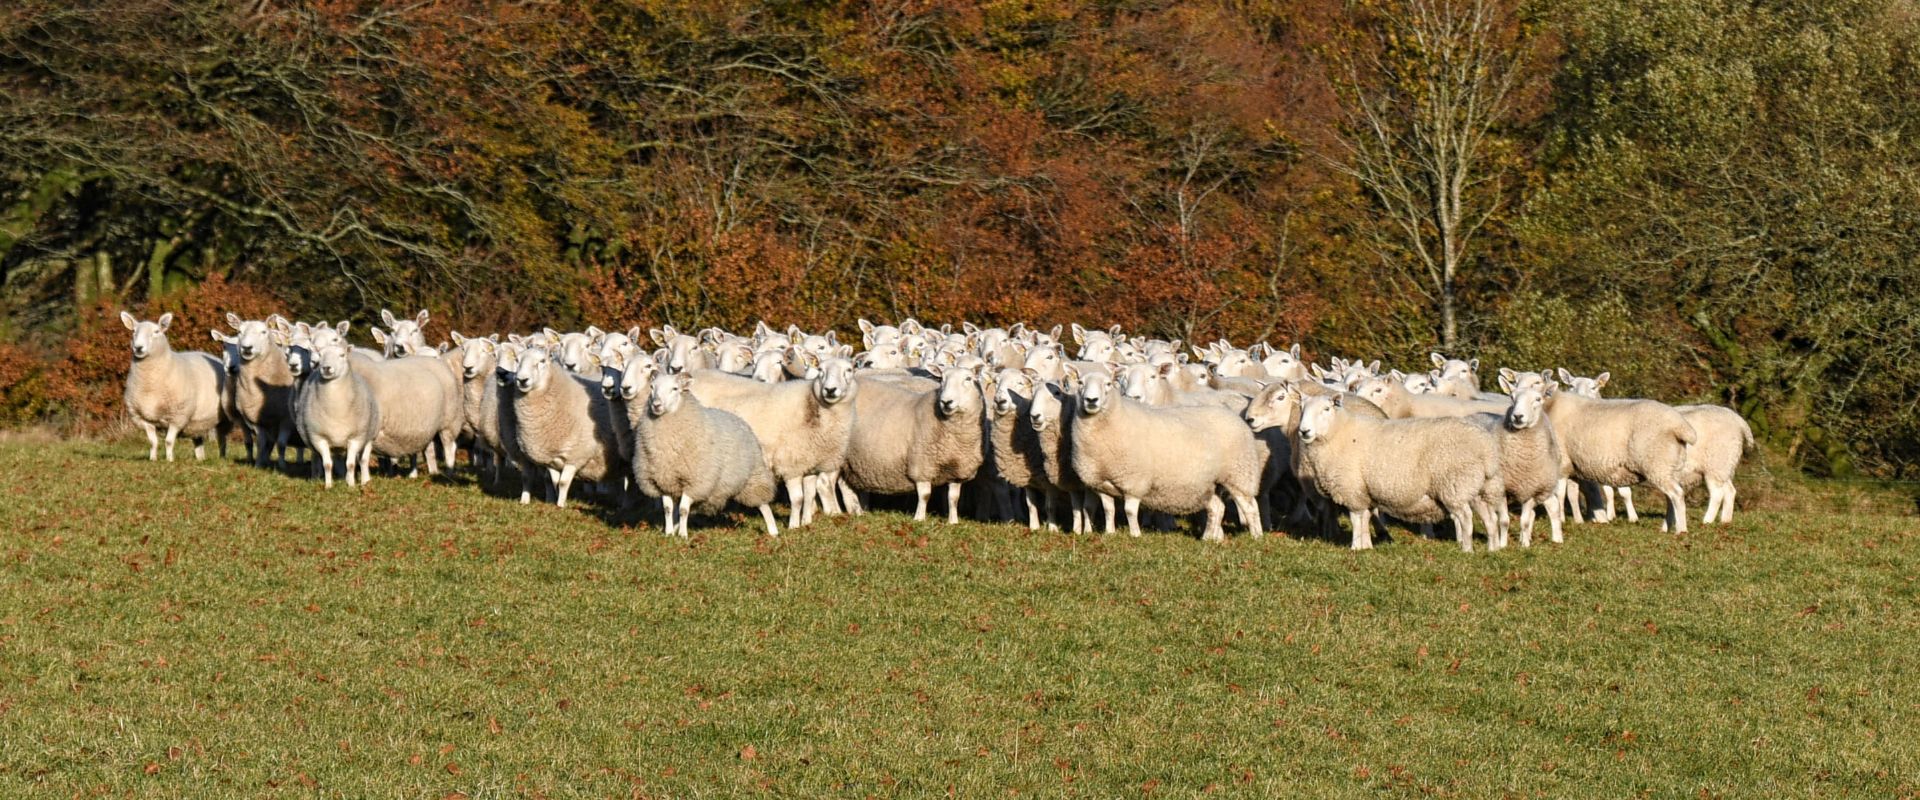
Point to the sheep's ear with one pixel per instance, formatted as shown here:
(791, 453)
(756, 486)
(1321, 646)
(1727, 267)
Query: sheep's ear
(658, 336)
(342, 327)
(218, 337)
(684, 380)
(1295, 350)
(1565, 377)
(969, 328)
(128, 320)
(234, 320)
(1167, 368)
(420, 319)
(1397, 375)
(1031, 373)
(379, 336)
(514, 338)
(275, 320)
(911, 325)
(937, 370)
(1473, 365)
(165, 321)
(1018, 329)
(1506, 381)
(1079, 334)
(1072, 372)
(458, 340)
(865, 326)
(833, 339)
(845, 351)
(1259, 351)
(1598, 380)
(595, 333)
(280, 337)
(386, 318)
(1114, 331)
(1507, 374)
(551, 334)
(1438, 360)
(1054, 334)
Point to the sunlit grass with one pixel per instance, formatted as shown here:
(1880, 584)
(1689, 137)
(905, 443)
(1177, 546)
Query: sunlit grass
(209, 630)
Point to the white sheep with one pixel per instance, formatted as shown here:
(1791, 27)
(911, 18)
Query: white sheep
(338, 408)
(908, 441)
(684, 353)
(1047, 413)
(803, 426)
(1624, 443)
(688, 454)
(564, 423)
(1176, 459)
(1724, 438)
(1533, 466)
(1015, 449)
(1392, 397)
(261, 387)
(1418, 470)
(183, 393)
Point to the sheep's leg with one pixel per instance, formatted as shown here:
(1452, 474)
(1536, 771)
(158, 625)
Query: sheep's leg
(923, 490)
(1133, 515)
(824, 488)
(1713, 503)
(1426, 530)
(1463, 527)
(1263, 505)
(1003, 496)
(766, 512)
(1727, 492)
(850, 498)
(564, 481)
(1106, 508)
(366, 462)
(153, 439)
(810, 484)
(1362, 533)
(199, 448)
(796, 501)
(1033, 511)
(353, 462)
(172, 433)
(1676, 508)
(1570, 497)
(324, 449)
(1526, 523)
(1626, 501)
(1216, 515)
(1250, 514)
(686, 512)
(280, 448)
(1495, 522)
(953, 503)
(1556, 518)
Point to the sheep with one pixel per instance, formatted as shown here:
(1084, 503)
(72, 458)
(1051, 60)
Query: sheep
(1533, 467)
(908, 441)
(1724, 437)
(1157, 385)
(576, 351)
(261, 386)
(564, 423)
(1015, 445)
(1418, 470)
(1173, 459)
(1589, 387)
(1096, 345)
(684, 353)
(403, 337)
(1392, 397)
(1284, 365)
(1047, 413)
(420, 406)
(1623, 443)
(480, 394)
(184, 393)
(803, 426)
(697, 455)
(339, 408)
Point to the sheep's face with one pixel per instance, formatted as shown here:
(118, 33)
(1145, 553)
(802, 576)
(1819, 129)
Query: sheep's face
(1285, 364)
(1420, 383)
(735, 357)
(1457, 369)
(872, 335)
(404, 336)
(1237, 364)
(959, 392)
(576, 352)
(1376, 390)
(801, 364)
(1584, 387)
(1316, 418)
(667, 393)
(330, 362)
(532, 373)
(1097, 346)
(885, 355)
(1044, 360)
(820, 346)
(1044, 411)
(989, 340)
(617, 348)
(1528, 408)
(1271, 407)
(1135, 381)
(1096, 392)
(250, 338)
(835, 381)
(1012, 385)
(1512, 381)
(476, 357)
(148, 337)
(637, 377)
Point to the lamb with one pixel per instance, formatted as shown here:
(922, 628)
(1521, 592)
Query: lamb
(1533, 467)
(1724, 438)
(908, 441)
(1173, 459)
(803, 427)
(1392, 397)
(262, 386)
(564, 423)
(339, 409)
(1625, 442)
(183, 393)
(699, 455)
(1418, 470)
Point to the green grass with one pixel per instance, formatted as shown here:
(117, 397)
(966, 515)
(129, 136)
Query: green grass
(209, 630)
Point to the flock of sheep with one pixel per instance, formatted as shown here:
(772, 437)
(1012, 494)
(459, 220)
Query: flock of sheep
(704, 420)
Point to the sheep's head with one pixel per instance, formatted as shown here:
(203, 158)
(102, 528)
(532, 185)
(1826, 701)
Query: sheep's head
(835, 383)
(1010, 387)
(250, 338)
(872, 335)
(1281, 364)
(769, 366)
(736, 357)
(617, 348)
(1584, 387)
(1376, 390)
(576, 352)
(884, 355)
(1096, 392)
(1237, 363)
(404, 336)
(1046, 360)
(330, 362)
(637, 376)
(1044, 411)
(533, 370)
(1420, 382)
(148, 337)
(1457, 369)
(1273, 406)
(1512, 381)
(1317, 417)
(801, 364)
(476, 355)
(959, 391)
(1528, 408)
(667, 393)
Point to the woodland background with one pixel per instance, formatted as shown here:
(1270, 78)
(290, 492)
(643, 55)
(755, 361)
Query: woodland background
(1714, 200)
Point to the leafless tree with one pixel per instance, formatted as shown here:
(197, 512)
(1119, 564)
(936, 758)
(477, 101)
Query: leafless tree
(1423, 102)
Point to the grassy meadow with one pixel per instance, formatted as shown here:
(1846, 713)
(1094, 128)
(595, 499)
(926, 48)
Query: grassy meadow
(210, 630)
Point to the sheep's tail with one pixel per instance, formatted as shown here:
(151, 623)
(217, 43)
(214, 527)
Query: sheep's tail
(1746, 436)
(1686, 434)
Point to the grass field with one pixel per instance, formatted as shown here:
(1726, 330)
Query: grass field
(209, 630)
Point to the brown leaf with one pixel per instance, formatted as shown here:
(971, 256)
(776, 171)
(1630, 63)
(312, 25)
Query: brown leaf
(748, 753)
